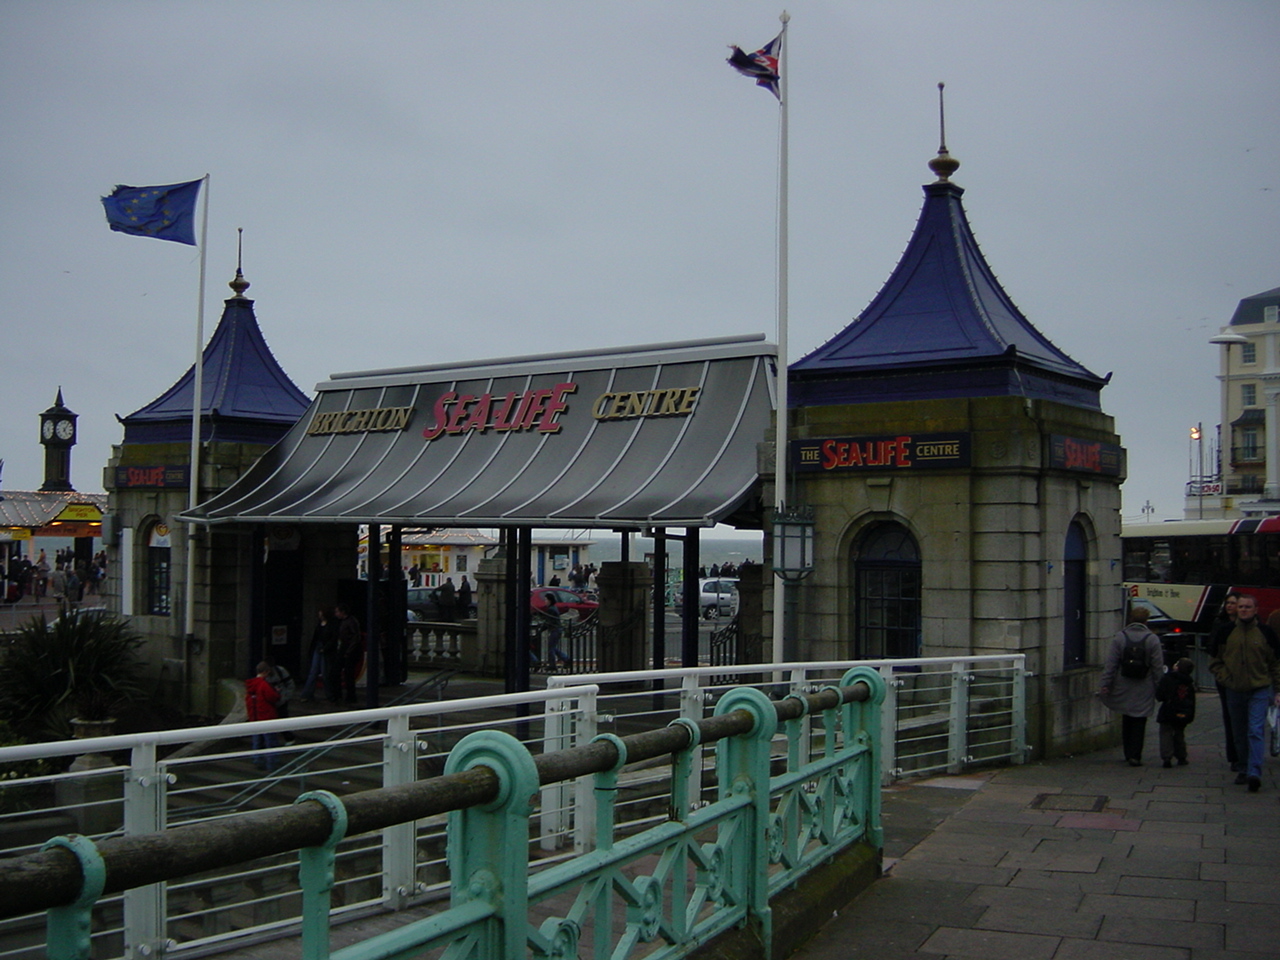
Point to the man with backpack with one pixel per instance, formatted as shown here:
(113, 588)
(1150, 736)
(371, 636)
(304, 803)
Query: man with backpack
(1134, 665)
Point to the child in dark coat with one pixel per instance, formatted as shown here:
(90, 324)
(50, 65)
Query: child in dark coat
(1176, 692)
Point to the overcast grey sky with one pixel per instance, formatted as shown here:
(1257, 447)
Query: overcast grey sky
(429, 182)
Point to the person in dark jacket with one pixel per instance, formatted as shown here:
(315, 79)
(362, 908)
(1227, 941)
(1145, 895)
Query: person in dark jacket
(324, 650)
(350, 651)
(1133, 697)
(1176, 692)
(1223, 624)
(1248, 665)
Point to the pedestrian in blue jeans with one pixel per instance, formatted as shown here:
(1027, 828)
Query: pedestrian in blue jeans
(1248, 665)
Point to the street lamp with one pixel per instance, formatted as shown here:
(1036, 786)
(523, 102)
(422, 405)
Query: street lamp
(1225, 340)
(1197, 434)
(793, 542)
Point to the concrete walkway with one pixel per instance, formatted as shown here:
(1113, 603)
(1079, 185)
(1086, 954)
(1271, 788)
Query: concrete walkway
(1076, 859)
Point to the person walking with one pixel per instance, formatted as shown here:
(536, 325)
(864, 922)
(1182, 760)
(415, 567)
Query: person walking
(448, 600)
(350, 651)
(1223, 624)
(464, 599)
(326, 630)
(1134, 665)
(260, 703)
(1176, 692)
(1248, 665)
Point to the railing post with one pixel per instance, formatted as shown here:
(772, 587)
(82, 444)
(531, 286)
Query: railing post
(693, 706)
(399, 842)
(584, 797)
(316, 875)
(68, 928)
(799, 735)
(489, 845)
(742, 766)
(144, 812)
(1018, 746)
(861, 720)
(553, 822)
(958, 718)
(889, 726)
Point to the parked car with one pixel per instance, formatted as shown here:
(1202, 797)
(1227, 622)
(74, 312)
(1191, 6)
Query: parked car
(717, 597)
(569, 604)
(424, 604)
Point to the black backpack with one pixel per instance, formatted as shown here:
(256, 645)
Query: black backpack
(1133, 659)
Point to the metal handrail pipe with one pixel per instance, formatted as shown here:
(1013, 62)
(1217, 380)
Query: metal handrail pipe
(51, 878)
(227, 731)
(808, 666)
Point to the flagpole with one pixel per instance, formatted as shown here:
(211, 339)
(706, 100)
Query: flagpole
(197, 400)
(780, 418)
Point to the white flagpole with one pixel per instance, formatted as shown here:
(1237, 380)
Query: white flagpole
(197, 400)
(780, 437)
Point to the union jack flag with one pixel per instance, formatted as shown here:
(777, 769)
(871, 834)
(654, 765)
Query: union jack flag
(761, 66)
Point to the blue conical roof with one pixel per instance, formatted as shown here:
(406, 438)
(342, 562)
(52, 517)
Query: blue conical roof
(941, 326)
(245, 396)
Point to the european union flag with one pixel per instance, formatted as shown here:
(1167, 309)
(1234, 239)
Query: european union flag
(166, 213)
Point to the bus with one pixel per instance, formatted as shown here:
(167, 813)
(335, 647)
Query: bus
(1185, 568)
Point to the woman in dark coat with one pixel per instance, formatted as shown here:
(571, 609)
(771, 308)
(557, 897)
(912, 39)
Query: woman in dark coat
(1133, 698)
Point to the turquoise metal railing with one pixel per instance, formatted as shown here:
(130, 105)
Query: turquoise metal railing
(658, 893)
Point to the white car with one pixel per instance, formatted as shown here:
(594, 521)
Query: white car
(718, 596)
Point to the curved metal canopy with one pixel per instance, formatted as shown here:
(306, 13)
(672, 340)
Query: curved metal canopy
(658, 435)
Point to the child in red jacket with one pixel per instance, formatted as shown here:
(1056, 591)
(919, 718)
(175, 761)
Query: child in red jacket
(260, 699)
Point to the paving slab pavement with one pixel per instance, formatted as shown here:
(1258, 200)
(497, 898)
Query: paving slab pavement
(1081, 858)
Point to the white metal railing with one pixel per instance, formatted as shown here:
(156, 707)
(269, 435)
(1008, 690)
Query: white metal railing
(939, 714)
(211, 775)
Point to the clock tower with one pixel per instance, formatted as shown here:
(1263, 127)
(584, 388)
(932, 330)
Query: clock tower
(58, 434)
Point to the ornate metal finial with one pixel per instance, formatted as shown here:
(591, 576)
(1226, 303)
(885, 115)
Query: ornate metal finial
(944, 165)
(239, 284)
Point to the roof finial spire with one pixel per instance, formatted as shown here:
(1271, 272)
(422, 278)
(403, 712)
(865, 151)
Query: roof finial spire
(239, 284)
(944, 165)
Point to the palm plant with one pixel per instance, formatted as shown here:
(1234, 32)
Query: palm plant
(81, 665)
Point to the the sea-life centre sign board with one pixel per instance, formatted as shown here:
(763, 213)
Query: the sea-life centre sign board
(888, 452)
(655, 435)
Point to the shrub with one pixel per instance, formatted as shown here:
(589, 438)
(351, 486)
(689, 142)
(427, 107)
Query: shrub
(81, 665)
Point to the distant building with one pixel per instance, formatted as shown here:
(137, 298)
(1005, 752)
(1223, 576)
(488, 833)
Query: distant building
(1240, 476)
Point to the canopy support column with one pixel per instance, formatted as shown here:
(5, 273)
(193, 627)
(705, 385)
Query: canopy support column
(372, 672)
(659, 598)
(690, 612)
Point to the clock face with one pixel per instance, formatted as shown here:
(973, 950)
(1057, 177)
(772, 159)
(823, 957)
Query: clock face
(46, 429)
(65, 429)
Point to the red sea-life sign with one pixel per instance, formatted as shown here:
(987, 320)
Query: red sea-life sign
(535, 409)
(898, 452)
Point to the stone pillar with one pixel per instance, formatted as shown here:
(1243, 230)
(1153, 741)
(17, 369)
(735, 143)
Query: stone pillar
(751, 614)
(486, 655)
(622, 634)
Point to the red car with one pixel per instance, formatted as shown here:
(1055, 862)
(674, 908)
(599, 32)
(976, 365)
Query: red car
(569, 604)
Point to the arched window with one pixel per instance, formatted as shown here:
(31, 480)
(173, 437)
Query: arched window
(1075, 556)
(159, 599)
(886, 579)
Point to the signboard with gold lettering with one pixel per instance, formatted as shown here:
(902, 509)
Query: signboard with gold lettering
(896, 452)
(1084, 456)
(159, 475)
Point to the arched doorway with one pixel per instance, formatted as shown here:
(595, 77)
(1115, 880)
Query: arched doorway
(886, 593)
(1075, 592)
